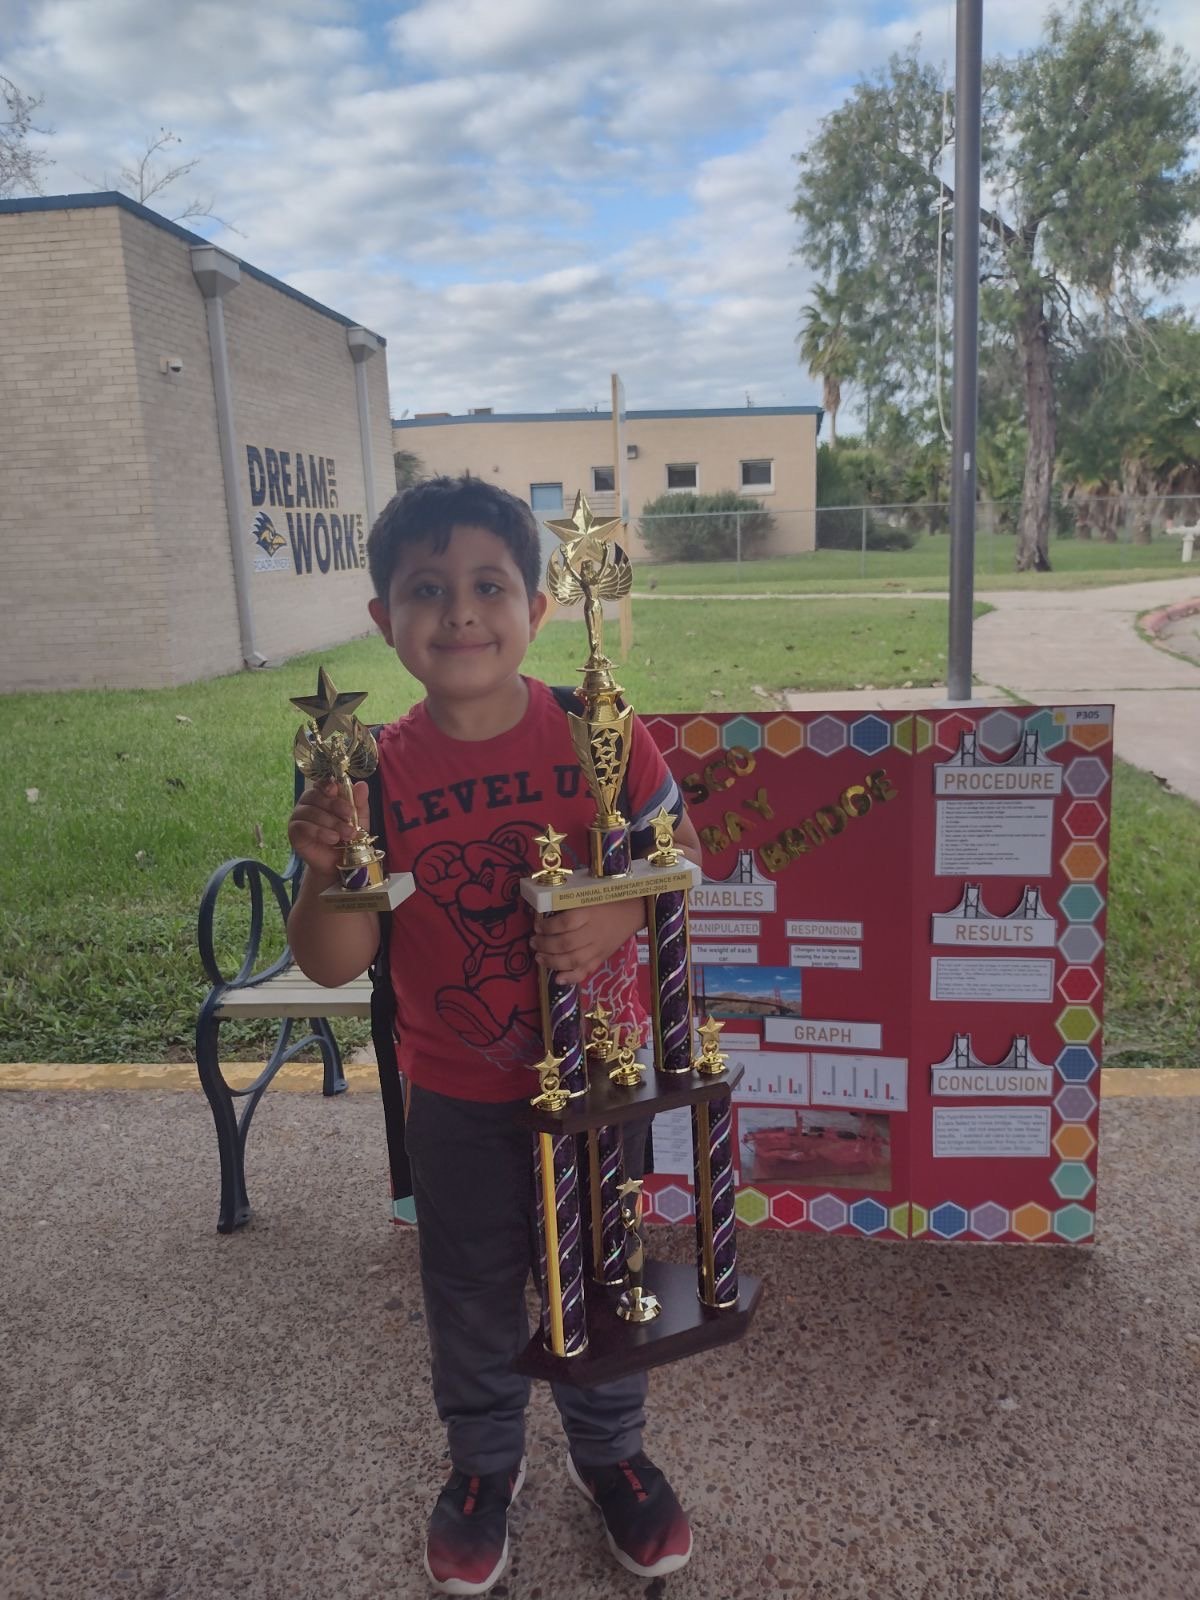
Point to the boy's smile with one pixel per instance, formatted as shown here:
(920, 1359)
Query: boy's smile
(461, 620)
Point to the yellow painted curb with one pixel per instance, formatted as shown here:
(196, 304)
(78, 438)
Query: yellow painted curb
(305, 1076)
(295, 1077)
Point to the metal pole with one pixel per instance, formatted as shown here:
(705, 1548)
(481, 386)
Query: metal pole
(216, 273)
(862, 554)
(738, 536)
(968, 67)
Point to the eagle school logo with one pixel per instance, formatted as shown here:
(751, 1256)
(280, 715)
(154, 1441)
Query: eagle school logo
(270, 542)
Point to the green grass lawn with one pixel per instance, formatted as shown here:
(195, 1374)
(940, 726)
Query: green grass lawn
(1078, 564)
(142, 793)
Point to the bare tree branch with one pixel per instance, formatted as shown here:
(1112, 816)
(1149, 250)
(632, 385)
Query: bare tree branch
(21, 165)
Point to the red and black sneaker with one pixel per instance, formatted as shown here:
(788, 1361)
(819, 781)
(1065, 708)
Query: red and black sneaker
(644, 1523)
(467, 1546)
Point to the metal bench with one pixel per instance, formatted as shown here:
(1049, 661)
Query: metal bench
(281, 991)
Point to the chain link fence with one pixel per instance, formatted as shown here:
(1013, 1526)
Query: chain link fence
(1087, 532)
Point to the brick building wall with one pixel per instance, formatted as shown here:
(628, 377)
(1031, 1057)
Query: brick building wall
(517, 452)
(293, 394)
(116, 567)
(186, 489)
(81, 597)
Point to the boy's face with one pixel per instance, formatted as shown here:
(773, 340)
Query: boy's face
(461, 620)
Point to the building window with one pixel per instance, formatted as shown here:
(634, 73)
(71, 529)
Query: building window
(603, 480)
(759, 475)
(546, 496)
(683, 475)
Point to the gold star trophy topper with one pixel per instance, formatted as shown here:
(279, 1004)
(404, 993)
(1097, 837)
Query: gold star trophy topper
(710, 1061)
(553, 1097)
(600, 1041)
(333, 746)
(588, 567)
(549, 847)
(628, 1073)
(666, 852)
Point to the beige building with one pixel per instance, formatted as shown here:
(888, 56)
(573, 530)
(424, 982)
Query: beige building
(191, 454)
(768, 453)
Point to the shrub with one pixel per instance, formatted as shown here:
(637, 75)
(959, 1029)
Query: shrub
(684, 526)
(840, 528)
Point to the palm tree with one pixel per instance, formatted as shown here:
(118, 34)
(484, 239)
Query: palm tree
(825, 347)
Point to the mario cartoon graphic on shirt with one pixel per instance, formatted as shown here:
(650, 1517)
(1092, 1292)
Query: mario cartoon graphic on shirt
(477, 885)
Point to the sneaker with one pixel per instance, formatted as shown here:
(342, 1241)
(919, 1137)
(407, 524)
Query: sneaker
(644, 1523)
(467, 1546)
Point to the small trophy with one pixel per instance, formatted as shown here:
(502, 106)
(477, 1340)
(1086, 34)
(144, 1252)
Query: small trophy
(628, 1072)
(635, 1303)
(711, 1060)
(333, 745)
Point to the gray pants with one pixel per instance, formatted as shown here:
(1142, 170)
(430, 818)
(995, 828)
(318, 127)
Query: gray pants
(472, 1169)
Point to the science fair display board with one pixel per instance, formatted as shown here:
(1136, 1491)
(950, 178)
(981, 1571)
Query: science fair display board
(901, 927)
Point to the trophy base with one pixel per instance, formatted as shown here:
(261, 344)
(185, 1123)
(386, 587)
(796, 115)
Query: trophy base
(381, 897)
(685, 1327)
(638, 1306)
(580, 888)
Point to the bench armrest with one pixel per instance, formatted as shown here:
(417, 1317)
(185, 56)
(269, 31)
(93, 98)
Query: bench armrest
(252, 876)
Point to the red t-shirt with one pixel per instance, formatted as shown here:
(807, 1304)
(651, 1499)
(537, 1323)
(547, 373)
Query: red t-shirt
(461, 816)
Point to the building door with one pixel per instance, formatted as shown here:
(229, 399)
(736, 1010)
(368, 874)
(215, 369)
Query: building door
(547, 501)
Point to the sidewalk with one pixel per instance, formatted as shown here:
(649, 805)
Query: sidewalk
(189, 1417)
(1078, 646)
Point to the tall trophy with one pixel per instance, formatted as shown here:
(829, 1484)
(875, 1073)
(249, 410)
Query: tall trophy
(608, 1309)
(334, 746)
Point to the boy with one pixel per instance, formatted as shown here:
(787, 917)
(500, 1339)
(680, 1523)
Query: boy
(469, 776)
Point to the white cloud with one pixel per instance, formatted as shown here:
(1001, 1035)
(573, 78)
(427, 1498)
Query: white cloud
(520, 195)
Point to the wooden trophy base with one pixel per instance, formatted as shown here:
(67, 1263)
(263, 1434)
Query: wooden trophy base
(617, 1348)
(385, 897)
(607, 1104)
(580, 888)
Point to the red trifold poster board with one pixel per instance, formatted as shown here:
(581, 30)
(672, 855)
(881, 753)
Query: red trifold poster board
(901, 926)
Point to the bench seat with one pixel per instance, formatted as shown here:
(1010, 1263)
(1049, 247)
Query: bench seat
(291, 994)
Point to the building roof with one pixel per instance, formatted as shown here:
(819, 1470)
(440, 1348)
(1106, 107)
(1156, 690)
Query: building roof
(112, 197)
(437, 421)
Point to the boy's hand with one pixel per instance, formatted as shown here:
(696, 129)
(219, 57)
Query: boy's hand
(320, 825)
(572, 944)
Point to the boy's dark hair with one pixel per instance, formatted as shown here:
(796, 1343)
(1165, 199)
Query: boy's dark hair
(426, 513)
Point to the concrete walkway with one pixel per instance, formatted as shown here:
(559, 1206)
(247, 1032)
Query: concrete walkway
(1079, 646)
(191, 1417)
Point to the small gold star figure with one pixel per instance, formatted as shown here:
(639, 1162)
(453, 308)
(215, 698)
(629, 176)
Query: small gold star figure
(666, 852)
(548, 843)
(629, 1072)
(330, 711)
(710, 1061)
(553, 1097)
(582, 535)
(600, 1041)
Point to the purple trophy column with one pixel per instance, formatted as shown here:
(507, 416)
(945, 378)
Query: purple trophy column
(562, 1028)
(609, 850)
(672, 1003)
(716, 1223)
(606, 1173)
(560, 1252)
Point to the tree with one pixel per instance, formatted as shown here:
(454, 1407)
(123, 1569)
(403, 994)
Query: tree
(825, 349)
(1131, 424)
(21, 166)
(148, 176)
(1089, 197)
(410, 468)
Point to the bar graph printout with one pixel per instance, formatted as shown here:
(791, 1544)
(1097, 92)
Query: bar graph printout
(843, 853)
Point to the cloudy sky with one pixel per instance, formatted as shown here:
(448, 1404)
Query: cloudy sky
(521, 195)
